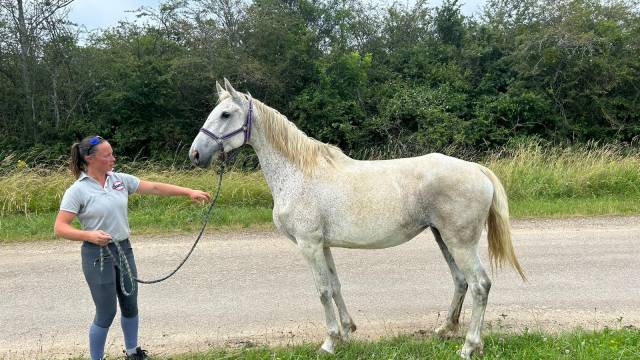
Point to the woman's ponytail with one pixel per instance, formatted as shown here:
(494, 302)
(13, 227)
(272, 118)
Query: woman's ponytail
(76, 161)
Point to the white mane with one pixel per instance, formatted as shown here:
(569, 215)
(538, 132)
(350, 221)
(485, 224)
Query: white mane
(304, 151)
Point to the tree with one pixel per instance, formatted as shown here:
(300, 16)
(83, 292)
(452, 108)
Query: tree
(449, 23)
(30, 21)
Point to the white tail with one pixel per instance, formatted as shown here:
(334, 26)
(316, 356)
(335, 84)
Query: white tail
(499, 228)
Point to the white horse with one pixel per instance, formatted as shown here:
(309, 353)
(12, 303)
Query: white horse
(323, 199)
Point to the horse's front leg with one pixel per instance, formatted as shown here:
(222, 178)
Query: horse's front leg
(347, 324)
(314, 254)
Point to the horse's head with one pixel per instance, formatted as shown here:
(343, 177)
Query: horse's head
(227, 127)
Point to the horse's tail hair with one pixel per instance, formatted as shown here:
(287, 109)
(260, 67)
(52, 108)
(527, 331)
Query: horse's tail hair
(499, 228)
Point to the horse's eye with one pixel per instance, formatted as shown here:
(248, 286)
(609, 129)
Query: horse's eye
(225, 115)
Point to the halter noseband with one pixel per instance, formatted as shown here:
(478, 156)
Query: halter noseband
(246, 128)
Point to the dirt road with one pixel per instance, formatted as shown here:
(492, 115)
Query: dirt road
(244, 287)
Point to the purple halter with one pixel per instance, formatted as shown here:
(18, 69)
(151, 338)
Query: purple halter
(246, 128)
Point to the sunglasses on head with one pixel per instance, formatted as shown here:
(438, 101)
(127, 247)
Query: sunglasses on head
(93, 142)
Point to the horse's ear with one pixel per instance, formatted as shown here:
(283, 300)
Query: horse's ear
(219, 89)
(232, 91)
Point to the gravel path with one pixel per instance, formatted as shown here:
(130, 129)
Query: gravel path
(247, 287)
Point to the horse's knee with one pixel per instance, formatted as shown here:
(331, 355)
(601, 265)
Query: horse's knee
(482, 287)
(461, 284)
(485, 284)
(461, 288)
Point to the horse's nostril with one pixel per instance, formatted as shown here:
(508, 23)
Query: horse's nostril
(195, 156)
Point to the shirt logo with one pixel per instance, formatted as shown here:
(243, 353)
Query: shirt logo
(118, 185)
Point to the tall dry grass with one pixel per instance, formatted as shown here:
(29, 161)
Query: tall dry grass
(535, 170)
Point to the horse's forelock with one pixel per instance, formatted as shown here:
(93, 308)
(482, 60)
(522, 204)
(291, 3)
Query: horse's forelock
(226, 95)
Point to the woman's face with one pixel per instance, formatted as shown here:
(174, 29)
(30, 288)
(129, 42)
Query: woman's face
(102, 159)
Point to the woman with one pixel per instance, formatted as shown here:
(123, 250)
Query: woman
(99, 199)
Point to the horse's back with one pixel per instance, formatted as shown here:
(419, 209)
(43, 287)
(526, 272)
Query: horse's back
(431, 173)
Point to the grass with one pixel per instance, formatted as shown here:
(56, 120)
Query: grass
(584, 180)
(576, 345)
(565, 207)
(541, 180)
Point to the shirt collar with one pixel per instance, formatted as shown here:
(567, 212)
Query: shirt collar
(83, 175)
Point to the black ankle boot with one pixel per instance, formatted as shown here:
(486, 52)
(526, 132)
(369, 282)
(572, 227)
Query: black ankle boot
(139, 355)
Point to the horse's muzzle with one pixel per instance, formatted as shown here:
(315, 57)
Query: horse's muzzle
(195, 157)
(202, 160)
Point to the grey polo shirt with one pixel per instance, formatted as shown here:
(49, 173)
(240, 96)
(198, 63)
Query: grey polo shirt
(102, 208)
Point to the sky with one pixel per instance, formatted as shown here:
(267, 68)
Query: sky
(100, 14)
(95, 14)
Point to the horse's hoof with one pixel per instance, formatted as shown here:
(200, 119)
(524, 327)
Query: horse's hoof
(469, 350)
(325, 351)
(446, 331)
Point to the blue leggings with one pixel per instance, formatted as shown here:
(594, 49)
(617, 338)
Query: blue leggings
(105, 284)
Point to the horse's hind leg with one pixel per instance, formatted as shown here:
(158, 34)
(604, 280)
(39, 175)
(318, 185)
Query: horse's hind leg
(347, 324)
(451, 323)
(314, 254)
(463, 247)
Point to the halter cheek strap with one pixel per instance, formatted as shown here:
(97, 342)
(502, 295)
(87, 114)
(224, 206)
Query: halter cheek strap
(246, 128)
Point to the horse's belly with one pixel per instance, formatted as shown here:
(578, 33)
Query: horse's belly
(370, 238)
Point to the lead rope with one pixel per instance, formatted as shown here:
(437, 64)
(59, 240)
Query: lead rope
(122, 258)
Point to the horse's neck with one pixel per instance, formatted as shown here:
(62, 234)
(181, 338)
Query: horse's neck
(281, 174)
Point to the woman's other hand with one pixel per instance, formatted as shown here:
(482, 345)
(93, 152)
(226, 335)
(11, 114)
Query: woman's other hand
(99, 237)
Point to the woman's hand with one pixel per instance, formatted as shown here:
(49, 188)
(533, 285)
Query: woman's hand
(98, 237)
(199, 196)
